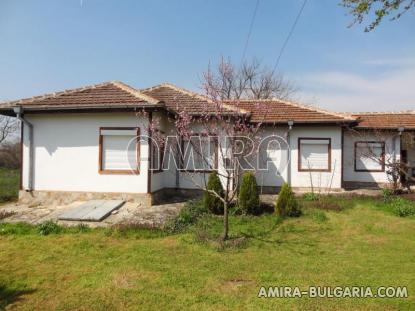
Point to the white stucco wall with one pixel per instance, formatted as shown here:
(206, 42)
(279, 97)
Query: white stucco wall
(66, 156)
(330, 179)
(350, 137)
(166, 178)
(66, 153)
(276, 159)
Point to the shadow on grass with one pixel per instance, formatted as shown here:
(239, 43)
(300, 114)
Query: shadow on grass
(9, 296)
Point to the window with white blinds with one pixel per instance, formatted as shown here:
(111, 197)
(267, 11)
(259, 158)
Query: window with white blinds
(119, 150)
(369, 156)
(314, 154)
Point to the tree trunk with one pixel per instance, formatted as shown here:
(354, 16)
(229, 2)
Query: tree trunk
(225, 222)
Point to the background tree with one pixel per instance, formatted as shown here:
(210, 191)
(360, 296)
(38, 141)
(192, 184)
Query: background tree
(251, 80)
(10, 155)
(360, 9)
(8, 126)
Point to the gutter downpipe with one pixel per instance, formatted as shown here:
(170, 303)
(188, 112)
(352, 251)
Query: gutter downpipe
(290, 127)
(19, 115)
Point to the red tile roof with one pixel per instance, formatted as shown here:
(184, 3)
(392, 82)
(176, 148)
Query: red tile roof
(279, 111)
(386, 120)
(119, 95)
(272, 111)
(178, 99)
(108, 94)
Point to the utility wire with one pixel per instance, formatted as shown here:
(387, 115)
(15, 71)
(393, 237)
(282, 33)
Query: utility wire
(250, 30)
(289, 36)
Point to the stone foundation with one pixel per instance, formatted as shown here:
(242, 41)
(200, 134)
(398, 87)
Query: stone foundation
(54, 198)
(353, 185)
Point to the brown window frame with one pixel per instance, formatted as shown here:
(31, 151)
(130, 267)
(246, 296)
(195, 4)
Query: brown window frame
(300, 168)
(382, 169)
(118, 172)
(200, 171)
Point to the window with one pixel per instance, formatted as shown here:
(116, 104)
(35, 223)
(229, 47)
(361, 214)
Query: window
(369, 156)
(200, 153)
(119, 150)
(314, 154)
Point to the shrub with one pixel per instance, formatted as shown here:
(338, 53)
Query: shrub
(248, 198)
(287, 204)
(49, 227)
(189, 214)
(402, 207)
(210, 201)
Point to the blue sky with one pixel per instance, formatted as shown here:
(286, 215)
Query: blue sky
(53, 45)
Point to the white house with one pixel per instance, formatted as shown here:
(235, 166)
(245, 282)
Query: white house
(82, 143)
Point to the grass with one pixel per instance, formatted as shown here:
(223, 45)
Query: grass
(126, 268)
(9, 184)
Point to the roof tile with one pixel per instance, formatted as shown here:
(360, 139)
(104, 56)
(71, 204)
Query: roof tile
(386, 120)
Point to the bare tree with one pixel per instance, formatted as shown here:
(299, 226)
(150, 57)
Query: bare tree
(251, 80)
(7, 127)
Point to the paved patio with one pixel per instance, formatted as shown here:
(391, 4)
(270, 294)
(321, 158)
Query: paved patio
(128, 213)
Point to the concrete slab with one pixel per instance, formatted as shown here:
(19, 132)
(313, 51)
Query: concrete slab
(130, 212)
(94, 210)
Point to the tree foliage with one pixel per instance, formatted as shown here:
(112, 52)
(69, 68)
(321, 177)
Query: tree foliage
(8, 126)
(213, 191)
(359, 9)
(287, 204)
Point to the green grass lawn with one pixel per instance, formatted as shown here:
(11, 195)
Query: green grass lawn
(115, 269)
(9, 184)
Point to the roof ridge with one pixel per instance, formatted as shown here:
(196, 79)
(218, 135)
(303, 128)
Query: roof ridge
(194, 94)
(135, 92)
(55, 94)
(121, 85)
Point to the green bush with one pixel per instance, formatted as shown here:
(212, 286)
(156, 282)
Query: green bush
(248, 197)
(188, 215)
(287, 204)
(210, 201)
(49, 227)
(402, 207)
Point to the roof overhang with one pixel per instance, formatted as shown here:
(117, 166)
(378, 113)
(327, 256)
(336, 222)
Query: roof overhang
(9, 111)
